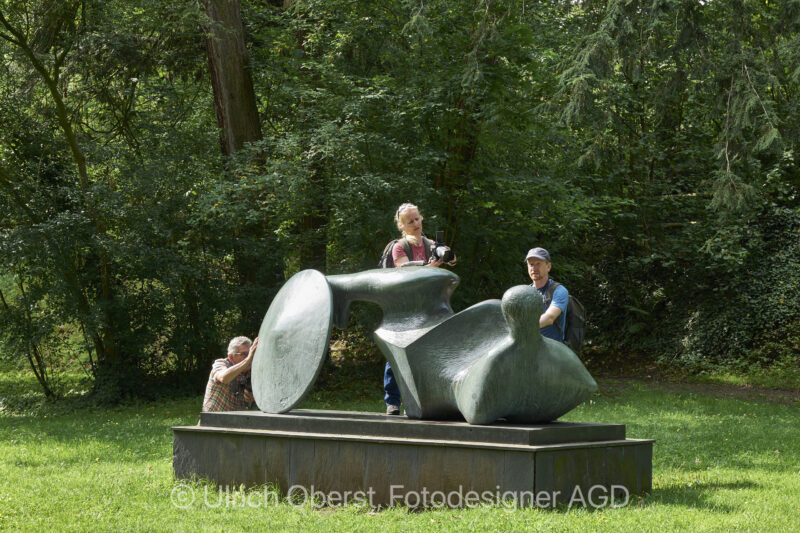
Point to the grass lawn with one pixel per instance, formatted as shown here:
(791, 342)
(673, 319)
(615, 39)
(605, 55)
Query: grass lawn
(719, 464)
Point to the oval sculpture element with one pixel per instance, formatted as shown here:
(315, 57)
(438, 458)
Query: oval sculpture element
(292, 342)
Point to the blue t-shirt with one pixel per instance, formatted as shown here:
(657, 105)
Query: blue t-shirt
(555, 330)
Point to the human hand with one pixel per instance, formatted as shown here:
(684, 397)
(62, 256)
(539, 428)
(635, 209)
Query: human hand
(248, 396)
(435, 263)
(249, 359)
(253, 348)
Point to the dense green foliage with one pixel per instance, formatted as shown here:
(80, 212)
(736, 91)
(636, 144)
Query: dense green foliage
(650, 145)
(685, 112)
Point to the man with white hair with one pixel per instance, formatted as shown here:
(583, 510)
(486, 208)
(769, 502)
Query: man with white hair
(228, 387)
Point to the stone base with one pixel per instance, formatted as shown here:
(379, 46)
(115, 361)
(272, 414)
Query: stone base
(398, 461)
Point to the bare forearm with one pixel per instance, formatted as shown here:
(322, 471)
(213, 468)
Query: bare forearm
(549, 317)
(229, 374)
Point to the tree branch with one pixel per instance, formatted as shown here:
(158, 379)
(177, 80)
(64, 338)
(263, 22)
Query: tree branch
(750, 82)
(61, 110)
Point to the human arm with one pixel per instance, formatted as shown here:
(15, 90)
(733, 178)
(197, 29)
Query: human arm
(399, 254)
(400, 258)
(229, 374)
(557, 306)
(549, 316)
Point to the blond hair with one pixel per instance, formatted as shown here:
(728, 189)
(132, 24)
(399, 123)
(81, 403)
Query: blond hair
(399, 213)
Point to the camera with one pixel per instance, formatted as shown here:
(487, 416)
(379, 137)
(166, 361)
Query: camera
(440, 250)
(244, 385)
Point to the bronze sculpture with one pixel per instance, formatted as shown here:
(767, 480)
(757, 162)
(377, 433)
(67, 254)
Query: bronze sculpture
(484, 363)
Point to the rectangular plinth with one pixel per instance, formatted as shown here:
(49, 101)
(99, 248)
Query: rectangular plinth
(392, 457)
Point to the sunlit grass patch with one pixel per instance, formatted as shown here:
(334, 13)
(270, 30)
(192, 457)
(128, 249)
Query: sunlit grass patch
(719, 464)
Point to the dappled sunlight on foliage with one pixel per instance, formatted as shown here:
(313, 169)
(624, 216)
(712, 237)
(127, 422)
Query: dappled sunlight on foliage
(650, 146)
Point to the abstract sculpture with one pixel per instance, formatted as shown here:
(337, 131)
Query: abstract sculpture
(484, 363)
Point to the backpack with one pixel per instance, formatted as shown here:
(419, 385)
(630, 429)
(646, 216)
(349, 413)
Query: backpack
(575, 325)
(387, 261)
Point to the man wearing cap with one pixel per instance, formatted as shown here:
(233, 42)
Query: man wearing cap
(554, 311)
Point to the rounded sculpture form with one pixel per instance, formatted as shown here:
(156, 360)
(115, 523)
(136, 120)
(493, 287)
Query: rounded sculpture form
(521, 307)
(292, 342)
(524, 377)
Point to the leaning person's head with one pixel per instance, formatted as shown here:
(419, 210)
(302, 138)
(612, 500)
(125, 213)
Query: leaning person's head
(238, 348)
(409, 220)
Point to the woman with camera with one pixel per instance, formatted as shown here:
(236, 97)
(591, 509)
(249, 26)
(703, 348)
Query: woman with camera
(412, 248)
(409, 222)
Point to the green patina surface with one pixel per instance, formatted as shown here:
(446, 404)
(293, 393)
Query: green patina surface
(487, 362)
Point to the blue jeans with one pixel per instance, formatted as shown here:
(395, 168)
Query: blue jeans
(392, 396)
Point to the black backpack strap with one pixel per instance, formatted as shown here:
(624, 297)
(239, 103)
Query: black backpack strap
(407, 249)
(551, 290)
(428, 244)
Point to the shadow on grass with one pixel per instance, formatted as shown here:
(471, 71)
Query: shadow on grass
(698, 495)
(695, 432)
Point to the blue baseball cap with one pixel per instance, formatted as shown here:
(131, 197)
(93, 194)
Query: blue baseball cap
(538, 253)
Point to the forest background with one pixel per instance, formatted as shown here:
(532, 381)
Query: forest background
(166, 166)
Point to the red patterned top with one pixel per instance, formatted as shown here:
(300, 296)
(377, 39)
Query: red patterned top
(225, 396)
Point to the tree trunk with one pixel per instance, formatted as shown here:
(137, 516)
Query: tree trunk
(234, 97)
(35, 359)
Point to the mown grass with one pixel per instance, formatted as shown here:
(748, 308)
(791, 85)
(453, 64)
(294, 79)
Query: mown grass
(719, 465)
(781, 375)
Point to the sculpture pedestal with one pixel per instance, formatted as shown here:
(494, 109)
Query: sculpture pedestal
(399, 461)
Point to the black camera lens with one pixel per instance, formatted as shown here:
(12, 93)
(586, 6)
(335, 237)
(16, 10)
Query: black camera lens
(439, 250)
